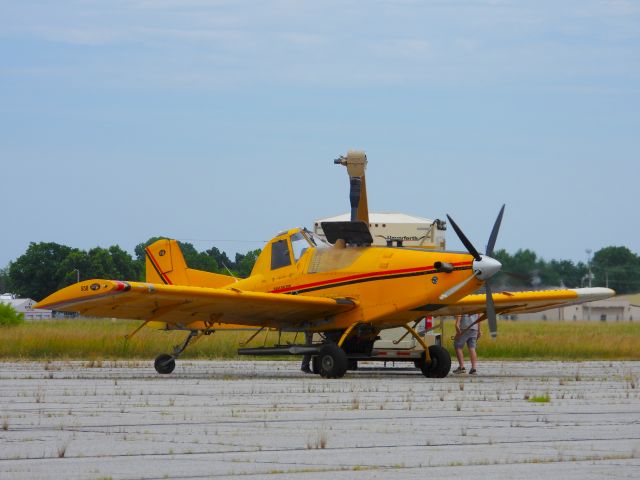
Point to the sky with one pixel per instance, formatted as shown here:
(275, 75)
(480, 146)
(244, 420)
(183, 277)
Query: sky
(217, 122)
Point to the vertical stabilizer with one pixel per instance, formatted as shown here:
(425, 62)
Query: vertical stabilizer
(165, 263)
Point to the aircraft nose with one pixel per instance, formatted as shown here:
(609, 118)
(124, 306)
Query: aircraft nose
(486, 267)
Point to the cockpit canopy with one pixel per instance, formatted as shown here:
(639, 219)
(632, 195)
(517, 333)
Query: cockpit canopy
(288, 250)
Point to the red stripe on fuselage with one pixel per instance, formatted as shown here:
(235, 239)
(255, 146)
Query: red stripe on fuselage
(361, 276)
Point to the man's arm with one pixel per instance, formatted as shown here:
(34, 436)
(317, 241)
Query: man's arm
(458, 317)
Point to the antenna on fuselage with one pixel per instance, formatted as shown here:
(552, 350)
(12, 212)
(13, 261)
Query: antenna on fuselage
(230, 272)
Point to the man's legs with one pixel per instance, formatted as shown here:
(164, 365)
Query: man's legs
(474, 357)
(471, 343)
(460, 356)
(458, 346)
(306, 360)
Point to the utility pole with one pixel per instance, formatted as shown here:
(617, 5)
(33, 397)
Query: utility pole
(77, 270)
(589, 268)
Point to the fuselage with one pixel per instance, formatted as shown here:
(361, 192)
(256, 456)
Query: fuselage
(390, 286)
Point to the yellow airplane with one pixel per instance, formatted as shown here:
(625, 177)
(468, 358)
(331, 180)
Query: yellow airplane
(342, 288)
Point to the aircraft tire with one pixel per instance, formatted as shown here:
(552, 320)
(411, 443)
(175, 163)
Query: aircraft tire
(333, 361)
(164, 364)
(352, 364)
(315, 364)
(440, 363)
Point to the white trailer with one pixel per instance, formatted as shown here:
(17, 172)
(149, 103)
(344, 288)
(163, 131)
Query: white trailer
(398, 229)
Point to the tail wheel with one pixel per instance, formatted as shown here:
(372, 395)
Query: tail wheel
(333, 361)
(440, 363)
(164, 364)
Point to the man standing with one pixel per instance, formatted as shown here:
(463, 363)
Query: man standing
(467, 332)
(306, 360)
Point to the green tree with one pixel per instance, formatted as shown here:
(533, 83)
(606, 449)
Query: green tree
(5, 281)
(139, 250)
(515, 272)
(198, 260)
(567, 273)
(9, 316)
(36, 273)
(617, 267)
(244, 262)
(123, 264)
(221, 258)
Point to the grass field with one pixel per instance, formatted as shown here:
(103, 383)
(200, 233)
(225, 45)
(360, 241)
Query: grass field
(96, 339)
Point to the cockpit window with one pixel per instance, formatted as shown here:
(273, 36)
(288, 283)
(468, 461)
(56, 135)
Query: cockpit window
(299, 244)
(316, 240)
(280, 254)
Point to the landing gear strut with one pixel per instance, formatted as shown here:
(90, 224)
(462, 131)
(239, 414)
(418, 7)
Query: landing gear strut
(165, 363)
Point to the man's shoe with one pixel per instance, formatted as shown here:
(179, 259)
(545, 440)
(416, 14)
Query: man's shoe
(473, 371)
(306, 369)
(460, 370)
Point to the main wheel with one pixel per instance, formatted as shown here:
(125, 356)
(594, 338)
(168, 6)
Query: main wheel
(440, 363)
(333, 361)
(164, 363)
(315, 364)
(352, 364)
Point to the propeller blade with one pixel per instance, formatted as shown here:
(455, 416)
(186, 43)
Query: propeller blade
(491, 311)
(494, 233)
(457, 287)
(465, 241)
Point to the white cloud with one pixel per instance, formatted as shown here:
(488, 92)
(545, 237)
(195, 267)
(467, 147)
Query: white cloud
(199, 43)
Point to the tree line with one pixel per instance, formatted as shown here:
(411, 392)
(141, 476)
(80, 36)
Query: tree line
(613, 267)
(46, 267)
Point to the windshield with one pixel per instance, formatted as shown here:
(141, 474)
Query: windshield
(299, 245)
(316, 240)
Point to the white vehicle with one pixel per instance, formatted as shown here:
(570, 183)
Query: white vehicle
(396, 345)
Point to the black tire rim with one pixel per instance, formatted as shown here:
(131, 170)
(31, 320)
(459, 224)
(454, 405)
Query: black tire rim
(327, 363)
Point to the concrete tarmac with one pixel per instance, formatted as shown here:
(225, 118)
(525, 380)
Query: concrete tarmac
(266, 419)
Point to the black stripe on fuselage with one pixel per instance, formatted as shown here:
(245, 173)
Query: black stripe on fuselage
(374, 279)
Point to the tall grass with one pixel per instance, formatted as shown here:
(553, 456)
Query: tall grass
(557, 340)
(94, 339)
(105, 338)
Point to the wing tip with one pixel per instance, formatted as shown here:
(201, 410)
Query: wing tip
(594, 293)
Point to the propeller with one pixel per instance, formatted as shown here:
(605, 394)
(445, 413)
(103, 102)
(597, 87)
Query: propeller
(484, 267)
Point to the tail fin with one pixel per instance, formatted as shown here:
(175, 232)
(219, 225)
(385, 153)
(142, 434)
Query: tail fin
(165, 264)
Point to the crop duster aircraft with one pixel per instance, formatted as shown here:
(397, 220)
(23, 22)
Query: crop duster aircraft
(343, 288)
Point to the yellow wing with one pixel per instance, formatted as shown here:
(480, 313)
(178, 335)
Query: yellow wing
(521, 302)
(194, 307)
